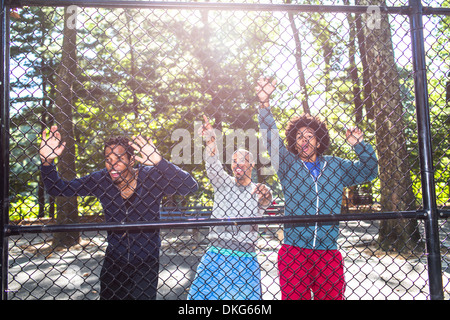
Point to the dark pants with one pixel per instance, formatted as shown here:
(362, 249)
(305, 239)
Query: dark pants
(129, 280)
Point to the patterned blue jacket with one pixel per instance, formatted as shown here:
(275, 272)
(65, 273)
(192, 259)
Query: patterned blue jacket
(305, 195)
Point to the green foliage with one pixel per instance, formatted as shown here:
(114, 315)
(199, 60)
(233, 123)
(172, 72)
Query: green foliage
(139, 72)
(439, 98)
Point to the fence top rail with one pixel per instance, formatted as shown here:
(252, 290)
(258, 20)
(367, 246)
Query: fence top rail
(211, 6)
(11, 230)
(402, 10)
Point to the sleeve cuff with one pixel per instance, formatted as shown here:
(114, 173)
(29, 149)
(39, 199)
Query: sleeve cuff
(360, 147)
(163, 165)
(264, 112)
(47, 169)
(211, 159)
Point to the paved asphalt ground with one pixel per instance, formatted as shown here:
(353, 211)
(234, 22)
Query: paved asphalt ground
(73, 274)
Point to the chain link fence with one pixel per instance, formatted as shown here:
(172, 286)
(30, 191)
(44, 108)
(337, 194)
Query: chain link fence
(136, 68)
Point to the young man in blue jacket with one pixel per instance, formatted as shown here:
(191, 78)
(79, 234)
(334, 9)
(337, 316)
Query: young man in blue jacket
(127, 193)
(308, 261)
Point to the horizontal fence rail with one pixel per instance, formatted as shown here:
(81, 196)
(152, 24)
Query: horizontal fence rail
(192, 223)
(401, 10)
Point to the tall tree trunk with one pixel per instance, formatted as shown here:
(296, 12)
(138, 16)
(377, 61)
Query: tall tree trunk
(46, 121)
(67, 208)
(396, 184)
(367, 89)
(353, 70)
(358, 103)
(133, 84)
(298, 61)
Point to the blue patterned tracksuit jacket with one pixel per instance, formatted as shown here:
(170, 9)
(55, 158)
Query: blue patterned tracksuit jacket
(306, 195)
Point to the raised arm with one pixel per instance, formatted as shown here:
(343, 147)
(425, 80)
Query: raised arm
(55, 186)
(51, 146)
(366, 168)
(147, 152)
(275, 145)
(206, 131)
(264, 194)
(214, 168)
(264, 89)
(172, 179)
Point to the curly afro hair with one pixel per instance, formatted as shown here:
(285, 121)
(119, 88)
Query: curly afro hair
(307, 120)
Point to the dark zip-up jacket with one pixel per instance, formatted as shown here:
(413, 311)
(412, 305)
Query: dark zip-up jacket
(153, 183)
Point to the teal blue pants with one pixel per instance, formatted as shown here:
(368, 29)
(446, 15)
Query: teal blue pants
(227, 275)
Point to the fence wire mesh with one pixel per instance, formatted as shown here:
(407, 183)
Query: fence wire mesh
(100, 72)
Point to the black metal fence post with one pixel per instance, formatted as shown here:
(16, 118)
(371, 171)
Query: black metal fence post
(4, 144)
(425, 151)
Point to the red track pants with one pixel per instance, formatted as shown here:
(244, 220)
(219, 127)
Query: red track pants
(306, 271)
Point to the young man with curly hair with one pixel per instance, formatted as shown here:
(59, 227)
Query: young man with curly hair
(309, 261)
